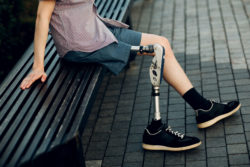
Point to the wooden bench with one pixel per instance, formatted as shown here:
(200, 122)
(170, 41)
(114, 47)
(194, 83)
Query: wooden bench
(42, 126)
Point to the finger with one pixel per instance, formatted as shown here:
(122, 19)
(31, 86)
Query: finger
(32, 79)
(23, 84)
(29, 83)
(44, 77)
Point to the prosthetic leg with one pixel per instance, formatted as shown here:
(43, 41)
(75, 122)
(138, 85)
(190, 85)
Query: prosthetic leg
(155, 71)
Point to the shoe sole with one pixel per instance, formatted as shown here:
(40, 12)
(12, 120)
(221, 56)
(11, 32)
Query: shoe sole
(165, 148)
(216, 119)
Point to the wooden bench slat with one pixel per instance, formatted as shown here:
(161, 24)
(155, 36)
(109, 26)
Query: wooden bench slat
(124, 12)
(11, 127)
(105, 8)
(56, 124)
(81, 117)
(100, 7)
(12, 90)
(17, 69)
(29, 134)
(42, 115)
(46, 127)
(69, 115)
(97, 2)
(111, 9)
(82, 99)
(117, 9)
(24, 95)
(32, 112)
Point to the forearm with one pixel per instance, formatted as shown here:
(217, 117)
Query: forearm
(41, 35)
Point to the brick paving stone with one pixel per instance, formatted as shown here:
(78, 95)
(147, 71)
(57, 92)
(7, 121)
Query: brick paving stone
(154, 158)
(106, 113)
(132, 164)
(238, 159)
(246, 127)
(215, 142)
(216, 152)
(121, 125)
(245, 102)
(196, 163)
(93, 163)
(235, 139)
(139, 121)
(216, 130)
(174, 158)
(133, 157)
(94, 154)
(176, 107)
(210, 94)
(103, 128)
(143, 99)
(225, 90)
(117, 142)
(122, 117)
(176, 115)
(134, 138)
(243, 88)
(112, 161)
(247, 135)
(195, 155)
(246, 118)
(233, 129)
(119, 133)
(236, 119)
(226, 83)
(137, 129)
(114, 151)
(176, 122)
(245, 109)
(100, 145)
(228, 97)
(175, 165)
(217, 162)
(141, 113)
(97, 137)
(237, 148)
(134, 147)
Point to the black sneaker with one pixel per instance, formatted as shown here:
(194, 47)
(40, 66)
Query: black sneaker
(168, 140)
(217, 112)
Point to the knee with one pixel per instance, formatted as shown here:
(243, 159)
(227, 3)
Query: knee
(165, 43)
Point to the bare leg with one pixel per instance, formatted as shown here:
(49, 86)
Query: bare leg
(173, 73)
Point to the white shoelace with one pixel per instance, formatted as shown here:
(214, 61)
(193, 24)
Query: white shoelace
(176, 133)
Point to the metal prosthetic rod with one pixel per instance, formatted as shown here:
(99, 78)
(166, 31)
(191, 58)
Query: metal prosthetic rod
(155, 71)
(156, 95)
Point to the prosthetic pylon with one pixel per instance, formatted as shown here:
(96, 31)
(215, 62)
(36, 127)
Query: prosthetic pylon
(155, 72)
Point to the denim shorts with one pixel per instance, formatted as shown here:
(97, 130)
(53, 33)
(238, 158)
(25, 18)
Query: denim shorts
(115, 56)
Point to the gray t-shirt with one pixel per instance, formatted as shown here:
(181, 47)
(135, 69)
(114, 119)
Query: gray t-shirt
(76, 26)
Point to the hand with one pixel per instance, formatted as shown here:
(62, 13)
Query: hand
(34, 75)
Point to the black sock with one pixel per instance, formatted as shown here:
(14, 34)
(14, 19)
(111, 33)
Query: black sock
(155, 125)
(195, 100)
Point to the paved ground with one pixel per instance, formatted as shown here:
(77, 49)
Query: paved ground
(211, 40)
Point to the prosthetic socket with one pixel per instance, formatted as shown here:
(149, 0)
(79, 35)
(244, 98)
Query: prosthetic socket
(155, 71)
